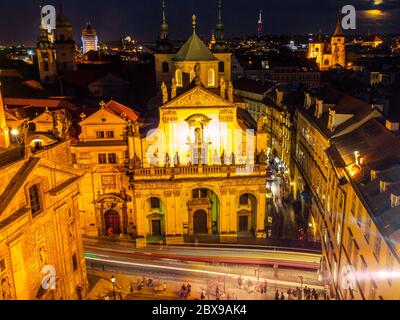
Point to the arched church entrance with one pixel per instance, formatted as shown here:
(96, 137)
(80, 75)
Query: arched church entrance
(112, 222)
(156, 220)
(247, 215)
(204, 214)
(200, 222)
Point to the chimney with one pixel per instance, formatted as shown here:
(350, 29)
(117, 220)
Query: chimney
(279, 96)
(319, 107)
(392, 126)
(308, 101)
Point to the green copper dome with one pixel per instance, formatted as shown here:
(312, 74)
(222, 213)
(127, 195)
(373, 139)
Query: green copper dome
(194, 50)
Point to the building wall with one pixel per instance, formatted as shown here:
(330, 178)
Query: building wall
(29, 241)
(338, 217)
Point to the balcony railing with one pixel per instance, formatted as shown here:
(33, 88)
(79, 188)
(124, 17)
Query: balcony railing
(216, 171)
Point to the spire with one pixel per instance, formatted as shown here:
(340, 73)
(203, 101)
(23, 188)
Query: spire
(220, 45)
(164, 19)
(220, 24)
(338, 30)
(260, 25)
(194, 23)
(164, 24)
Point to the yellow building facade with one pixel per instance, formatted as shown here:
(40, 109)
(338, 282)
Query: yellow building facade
(345, 204)
(39, 228)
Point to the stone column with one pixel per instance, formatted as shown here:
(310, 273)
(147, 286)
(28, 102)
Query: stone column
(261, 215)
(141, 220)
(174, 223)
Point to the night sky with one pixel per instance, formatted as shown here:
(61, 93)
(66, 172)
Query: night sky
(141, 18)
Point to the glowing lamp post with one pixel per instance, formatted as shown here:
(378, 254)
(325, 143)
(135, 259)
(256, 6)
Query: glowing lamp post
(113, 279)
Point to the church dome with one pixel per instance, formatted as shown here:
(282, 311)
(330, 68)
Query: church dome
(194, 50)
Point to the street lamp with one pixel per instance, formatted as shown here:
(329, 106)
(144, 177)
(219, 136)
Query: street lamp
(113, 279)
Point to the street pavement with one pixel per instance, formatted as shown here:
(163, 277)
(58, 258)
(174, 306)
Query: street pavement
(129, 267)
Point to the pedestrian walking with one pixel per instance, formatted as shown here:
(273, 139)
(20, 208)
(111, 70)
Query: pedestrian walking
(189, 289)
(282, 296)
(164, 286)
(217, 293)
(203, 294)
(277, 295)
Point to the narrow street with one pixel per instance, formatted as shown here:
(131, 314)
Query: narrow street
(285, 213)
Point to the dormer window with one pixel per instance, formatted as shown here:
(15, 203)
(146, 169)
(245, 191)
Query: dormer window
(383, 186)
(395, 199)
(331, 122)
(319, 108)
(373, 175)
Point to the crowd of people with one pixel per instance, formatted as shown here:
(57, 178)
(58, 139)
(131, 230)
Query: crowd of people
(299, 294)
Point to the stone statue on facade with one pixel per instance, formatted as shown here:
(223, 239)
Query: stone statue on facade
(61, 124)
(177, 160)
(223, 158)
(262, 124)
(173, 89)
(6, 289)
(137, 164)
(262, 158)
(216, 159)
(222, 88)
(23, 132)
(230, 91)
(164, 91)
(233, 159)
(198, 134)
(167, 161)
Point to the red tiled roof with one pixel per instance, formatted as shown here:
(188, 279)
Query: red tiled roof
(119, 109)
(43, 103)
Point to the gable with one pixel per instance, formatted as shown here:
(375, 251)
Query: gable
(44, 117)
(198, 97)
(101, 115)
(109, 79)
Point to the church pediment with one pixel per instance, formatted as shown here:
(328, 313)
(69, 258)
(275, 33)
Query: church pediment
(198, 97)
(103, 116)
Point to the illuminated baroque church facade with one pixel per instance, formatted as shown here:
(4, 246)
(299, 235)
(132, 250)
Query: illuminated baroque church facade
(198, 169)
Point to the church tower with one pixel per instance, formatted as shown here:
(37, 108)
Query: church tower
(338, 46)
(220, 45)
(4, 132)
(220, 48)
(163, 43)
(64, 45)
(46, 56)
